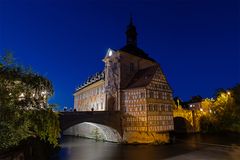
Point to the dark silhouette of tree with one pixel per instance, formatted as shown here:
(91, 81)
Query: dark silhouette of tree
(195, 99)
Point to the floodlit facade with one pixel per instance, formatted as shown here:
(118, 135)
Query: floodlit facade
(133, 83)
(91, 95)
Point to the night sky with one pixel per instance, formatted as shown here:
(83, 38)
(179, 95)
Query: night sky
(196, 42)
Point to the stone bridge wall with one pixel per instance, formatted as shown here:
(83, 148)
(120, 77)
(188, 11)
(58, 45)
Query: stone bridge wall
(111, 119)
(193, 117)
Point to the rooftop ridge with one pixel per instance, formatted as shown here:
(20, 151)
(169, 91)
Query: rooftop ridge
(91, 79)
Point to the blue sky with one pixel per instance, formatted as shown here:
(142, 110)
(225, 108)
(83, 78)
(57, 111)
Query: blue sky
(196, 42)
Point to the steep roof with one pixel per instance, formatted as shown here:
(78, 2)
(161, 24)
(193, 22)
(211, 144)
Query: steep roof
(131, 42)
(134, 50)
(143, 77)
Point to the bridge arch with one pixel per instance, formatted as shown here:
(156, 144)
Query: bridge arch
(184, 121)
(182, 125)
(94, 131)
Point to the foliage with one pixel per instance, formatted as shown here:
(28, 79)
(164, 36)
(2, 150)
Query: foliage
(222, 114)
(24, 111)
(45, 124)
(197, 98)
(207, 125)
(96, 134)
(206, 105)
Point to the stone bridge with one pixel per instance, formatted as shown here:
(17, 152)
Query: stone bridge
(103, 125)
(107, 125)
(186, 121)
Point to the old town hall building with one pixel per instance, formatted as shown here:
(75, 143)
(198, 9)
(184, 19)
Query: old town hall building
(134, 84)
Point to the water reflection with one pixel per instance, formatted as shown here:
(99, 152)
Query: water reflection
(75, 148)
(211, 139)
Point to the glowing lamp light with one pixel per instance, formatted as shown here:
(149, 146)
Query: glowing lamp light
(21, 95)
(43, 92)
(110, 53)
(229, 93)
(201, 109)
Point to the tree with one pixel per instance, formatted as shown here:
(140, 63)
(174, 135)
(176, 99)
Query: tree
(197, 98)
(207, 105)
(224, 112)
(24, 108)
(207, 119)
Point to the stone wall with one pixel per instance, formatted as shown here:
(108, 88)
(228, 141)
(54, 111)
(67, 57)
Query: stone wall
(193, 117)
(146, 137)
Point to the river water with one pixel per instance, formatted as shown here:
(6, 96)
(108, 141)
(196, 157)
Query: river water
(75, 148)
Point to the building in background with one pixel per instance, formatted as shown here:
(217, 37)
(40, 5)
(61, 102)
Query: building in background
(195, 103)
(134, 84)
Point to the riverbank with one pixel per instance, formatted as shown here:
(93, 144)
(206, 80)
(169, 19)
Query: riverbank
(30, 149)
